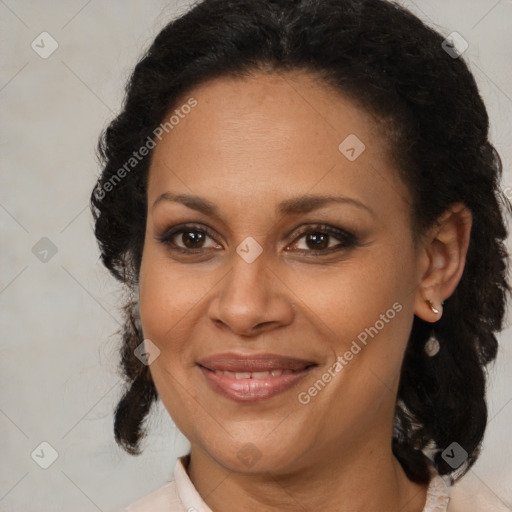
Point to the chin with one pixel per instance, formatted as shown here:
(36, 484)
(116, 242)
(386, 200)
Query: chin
(257, 454)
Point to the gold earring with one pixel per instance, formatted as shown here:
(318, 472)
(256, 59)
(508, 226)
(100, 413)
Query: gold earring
(434, 309)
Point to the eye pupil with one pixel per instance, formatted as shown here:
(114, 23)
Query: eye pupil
(320, 241)
(195, 237)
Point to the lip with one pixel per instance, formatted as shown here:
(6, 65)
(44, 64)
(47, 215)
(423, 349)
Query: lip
(281, 373)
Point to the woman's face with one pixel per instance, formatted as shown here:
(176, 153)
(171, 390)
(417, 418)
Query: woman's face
(281, 317)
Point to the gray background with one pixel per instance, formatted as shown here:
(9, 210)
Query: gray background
(58, 354)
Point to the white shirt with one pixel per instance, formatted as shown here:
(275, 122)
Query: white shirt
(180, 495)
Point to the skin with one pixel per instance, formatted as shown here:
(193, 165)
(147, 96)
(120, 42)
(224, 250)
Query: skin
(248, 145)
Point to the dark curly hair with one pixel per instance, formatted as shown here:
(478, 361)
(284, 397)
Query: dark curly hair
(386, 60)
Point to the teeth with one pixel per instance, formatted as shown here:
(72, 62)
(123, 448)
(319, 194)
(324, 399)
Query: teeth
(260, 375)
(253, 375)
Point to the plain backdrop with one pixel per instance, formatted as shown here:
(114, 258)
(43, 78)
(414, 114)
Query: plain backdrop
(58, 305)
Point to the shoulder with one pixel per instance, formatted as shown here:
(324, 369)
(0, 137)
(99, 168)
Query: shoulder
(468, 494)
(164, 499)
(464, 496)
(471, 494)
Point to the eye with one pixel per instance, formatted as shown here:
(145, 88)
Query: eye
(191, 238)
(318, 239)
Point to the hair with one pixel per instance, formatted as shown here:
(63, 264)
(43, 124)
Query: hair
(389, 62)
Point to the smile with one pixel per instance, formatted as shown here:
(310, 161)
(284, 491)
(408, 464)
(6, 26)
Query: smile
(253, 375)
(253, 378)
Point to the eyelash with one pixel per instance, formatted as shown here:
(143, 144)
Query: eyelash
(347, 240)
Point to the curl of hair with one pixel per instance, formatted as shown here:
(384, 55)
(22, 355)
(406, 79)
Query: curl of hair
(137, 400)
(386, 60)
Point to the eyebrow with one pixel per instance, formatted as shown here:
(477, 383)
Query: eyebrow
(295, 205)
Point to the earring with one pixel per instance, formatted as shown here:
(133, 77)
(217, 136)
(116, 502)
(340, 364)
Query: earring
(432, 307)
(432, 347)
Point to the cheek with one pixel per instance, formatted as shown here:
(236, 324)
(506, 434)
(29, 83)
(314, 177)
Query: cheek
(367, 307)
(354, 295)
(164, 301)
(166, 294)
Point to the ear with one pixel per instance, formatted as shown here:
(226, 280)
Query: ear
(441, 261)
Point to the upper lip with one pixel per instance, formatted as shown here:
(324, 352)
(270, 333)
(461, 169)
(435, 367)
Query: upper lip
(253, 362)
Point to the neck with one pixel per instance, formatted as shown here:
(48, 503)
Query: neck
(365, 480)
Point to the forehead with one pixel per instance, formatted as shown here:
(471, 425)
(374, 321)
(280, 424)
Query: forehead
(259, 138)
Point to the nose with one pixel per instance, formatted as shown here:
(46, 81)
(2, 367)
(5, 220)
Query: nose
(252, 299)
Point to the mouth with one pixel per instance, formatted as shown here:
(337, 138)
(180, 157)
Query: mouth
(255, 377)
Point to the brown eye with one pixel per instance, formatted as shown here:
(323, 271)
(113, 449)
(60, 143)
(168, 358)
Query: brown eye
(317, 241)
(192, 239)
(322, 239)
(187, 239)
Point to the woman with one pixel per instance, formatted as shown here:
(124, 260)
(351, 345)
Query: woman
(306, 213)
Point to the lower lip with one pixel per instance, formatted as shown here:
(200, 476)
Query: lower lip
(252, 390)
